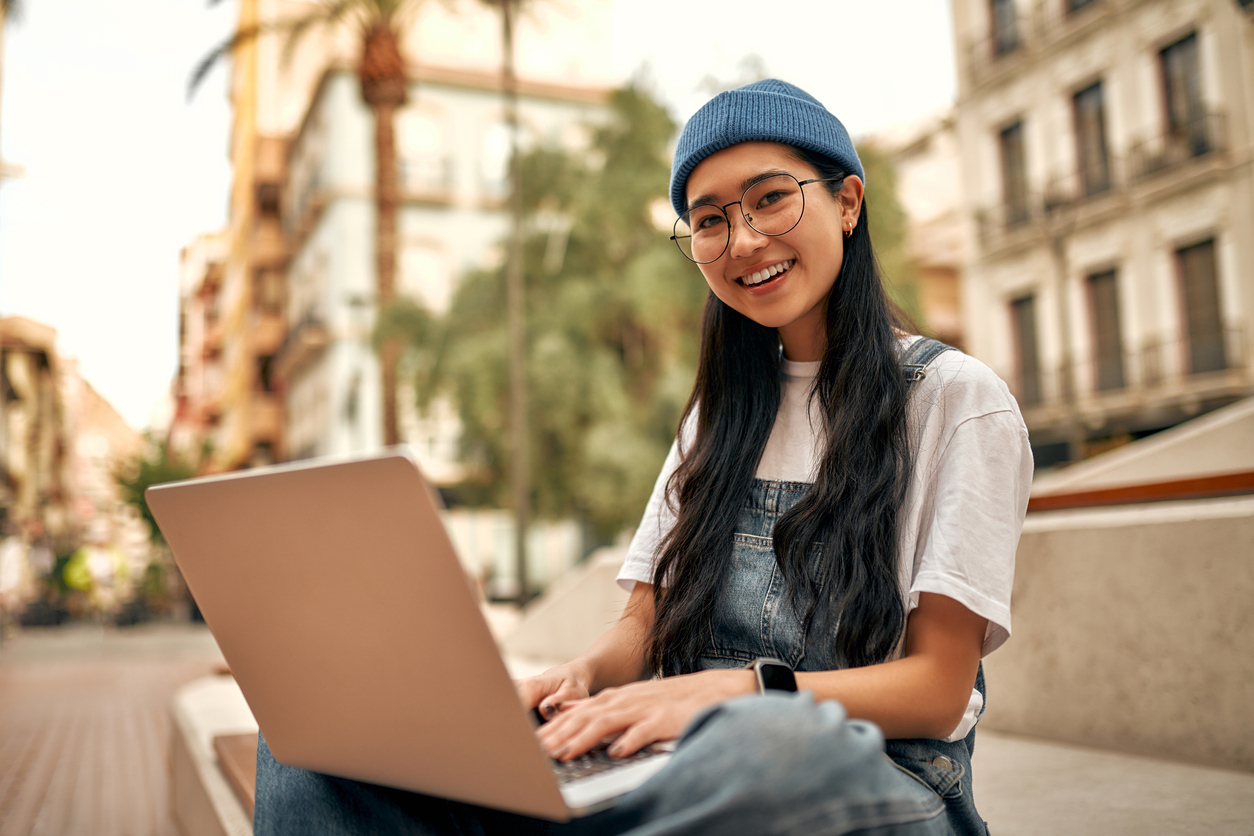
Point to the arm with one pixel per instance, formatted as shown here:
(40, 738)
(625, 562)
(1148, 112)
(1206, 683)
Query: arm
(615, 659)
(922, 694)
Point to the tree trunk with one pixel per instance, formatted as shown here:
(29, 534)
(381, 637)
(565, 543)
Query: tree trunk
(383, 84)
(515, 302)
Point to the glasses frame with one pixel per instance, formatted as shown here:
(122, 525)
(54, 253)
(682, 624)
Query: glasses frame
(675, 236)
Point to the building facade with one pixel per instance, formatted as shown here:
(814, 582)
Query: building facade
(1107, 149)
(453, 160)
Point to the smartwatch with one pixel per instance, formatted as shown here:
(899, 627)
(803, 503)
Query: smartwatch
(772, 675)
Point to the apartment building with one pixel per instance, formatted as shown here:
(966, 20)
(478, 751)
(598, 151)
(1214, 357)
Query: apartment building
(1107, 150)
(453, 159)
(286, 370)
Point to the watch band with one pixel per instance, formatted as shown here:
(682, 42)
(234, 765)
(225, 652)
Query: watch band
(772, 675)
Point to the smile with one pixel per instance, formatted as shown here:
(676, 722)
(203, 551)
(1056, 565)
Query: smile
(766, 273)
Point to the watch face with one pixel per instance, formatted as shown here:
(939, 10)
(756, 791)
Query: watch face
(777, 677)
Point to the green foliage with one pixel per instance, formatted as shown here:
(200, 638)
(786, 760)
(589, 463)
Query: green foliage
(613, 319)
(157, 464)
(888, 231)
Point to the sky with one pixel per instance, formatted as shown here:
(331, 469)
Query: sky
(119, 169)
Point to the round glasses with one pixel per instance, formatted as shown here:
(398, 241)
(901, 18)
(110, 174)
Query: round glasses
(771, 206)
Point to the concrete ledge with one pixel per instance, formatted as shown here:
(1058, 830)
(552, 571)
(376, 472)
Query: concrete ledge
(1132, 632)
(202, 803)
(1023, 787)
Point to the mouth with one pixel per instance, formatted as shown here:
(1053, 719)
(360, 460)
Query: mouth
(767, 274)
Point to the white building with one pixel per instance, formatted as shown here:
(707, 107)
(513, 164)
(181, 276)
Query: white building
(452, 149)
(1108, 160)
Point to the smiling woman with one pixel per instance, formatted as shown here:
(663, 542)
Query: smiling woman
(838, 515)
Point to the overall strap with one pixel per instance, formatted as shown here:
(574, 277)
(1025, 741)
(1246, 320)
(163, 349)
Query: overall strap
(923, 351)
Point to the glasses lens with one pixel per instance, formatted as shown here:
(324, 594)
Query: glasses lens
(774, 205)
(701, 233)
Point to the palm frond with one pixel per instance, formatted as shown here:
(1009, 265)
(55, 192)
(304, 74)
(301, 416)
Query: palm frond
(327, 15)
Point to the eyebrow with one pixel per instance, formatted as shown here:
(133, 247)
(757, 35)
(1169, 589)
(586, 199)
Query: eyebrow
(709, 199)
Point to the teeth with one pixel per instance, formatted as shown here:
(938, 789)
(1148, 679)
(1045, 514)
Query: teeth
(766, 272)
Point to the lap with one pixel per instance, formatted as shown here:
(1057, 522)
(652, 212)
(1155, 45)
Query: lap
(776, 764)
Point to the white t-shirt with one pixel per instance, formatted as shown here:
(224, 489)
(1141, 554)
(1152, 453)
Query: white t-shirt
(964, 507)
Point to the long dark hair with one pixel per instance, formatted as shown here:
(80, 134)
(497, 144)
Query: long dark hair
(837, 547)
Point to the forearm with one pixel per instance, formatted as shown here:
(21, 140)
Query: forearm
(618, 657)
(905, 698)
(923, 694)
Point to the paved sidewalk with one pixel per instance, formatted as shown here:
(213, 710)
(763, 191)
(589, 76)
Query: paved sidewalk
(84, 726)
(1027, 787)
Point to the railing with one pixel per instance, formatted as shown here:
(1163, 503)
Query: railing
(1047, 22)
(1150, 368)
(427, 175)
(305, 341)
(1062, 193)
(1203, 137)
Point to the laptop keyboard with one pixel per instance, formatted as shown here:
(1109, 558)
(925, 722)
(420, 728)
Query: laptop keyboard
(598, 760)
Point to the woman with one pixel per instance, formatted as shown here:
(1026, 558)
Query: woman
(842, 499)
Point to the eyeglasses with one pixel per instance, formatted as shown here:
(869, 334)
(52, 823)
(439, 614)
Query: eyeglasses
(771, 206)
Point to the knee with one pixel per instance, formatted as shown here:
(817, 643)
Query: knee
(791, 722)
(771, 735)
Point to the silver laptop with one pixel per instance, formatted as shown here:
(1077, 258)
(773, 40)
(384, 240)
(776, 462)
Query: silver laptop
(340, 605)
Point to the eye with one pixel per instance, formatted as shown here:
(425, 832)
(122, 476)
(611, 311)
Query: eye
(708, 220)
(771, 198)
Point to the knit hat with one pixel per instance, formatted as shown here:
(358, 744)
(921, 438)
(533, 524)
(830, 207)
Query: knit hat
(769, 110)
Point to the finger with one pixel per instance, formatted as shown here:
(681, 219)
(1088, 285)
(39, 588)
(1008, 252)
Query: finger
(601, 727)
(634, 739)
(568, 694)
(534, 689)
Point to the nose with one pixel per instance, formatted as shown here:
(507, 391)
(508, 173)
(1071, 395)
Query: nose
(745, 240)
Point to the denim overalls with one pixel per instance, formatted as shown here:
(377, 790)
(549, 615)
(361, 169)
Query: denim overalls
(753, 618)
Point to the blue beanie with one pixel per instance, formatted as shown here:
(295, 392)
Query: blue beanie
(767, 110)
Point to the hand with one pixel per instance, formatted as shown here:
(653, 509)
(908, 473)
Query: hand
(639, 713)
(562, 684)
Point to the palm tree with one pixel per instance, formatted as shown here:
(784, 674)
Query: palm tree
(384, 84)
(516, 305)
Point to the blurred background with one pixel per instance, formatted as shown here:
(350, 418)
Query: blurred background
(259, 231)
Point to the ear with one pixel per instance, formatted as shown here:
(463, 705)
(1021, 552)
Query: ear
(850, 199)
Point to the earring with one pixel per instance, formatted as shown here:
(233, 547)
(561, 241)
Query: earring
(849, 232)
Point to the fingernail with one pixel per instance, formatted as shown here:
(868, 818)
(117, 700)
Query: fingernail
(615, 751)
(546, 708)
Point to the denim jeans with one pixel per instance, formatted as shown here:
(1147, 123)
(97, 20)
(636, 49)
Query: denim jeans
(769, 764)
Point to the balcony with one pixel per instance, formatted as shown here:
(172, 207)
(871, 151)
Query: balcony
(304, 344)
(1035, 212)
(1024, 37)
(1204, 137)
(214, 333)
(427, 179)
(1160, 377)
(267, 419)
(269, 330)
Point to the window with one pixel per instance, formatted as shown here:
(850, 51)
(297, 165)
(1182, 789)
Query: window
(1089, 109)
(1185, 117)
(1203, 324)
(425, 164)
(1076, 5)
(1103, 293)
(1005, 27)
(1023, 316)
(1014, 183)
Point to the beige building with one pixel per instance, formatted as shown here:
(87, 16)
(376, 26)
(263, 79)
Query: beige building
(61, 445)
(1108, 162)
(928, 167)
